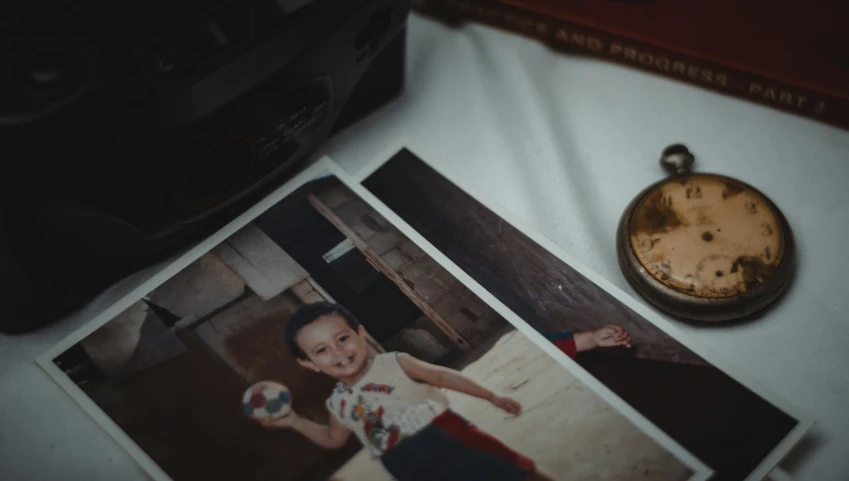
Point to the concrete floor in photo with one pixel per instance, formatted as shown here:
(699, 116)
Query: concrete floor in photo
(567, 429)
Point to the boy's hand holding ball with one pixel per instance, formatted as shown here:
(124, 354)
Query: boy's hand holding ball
(285, 422)
(269, 403)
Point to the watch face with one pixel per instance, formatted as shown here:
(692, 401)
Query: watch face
(707, 236)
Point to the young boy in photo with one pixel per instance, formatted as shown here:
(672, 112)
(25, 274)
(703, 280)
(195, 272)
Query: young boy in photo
(395, 405)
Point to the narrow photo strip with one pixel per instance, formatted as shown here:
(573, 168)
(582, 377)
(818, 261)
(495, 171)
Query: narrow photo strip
(738, 429)
(313, 310)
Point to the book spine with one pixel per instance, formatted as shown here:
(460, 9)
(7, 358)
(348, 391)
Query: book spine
(573, 38)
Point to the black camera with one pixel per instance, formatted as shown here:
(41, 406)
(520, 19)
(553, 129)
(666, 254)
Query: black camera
(132, 131)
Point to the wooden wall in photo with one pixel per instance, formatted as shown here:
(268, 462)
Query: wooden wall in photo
(443, 296)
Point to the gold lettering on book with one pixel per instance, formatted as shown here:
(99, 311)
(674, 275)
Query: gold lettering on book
(784, 97)
(693, 72)
(578, 39)
(595, 44)
(662, 63)
(563, 36)
(646, 58)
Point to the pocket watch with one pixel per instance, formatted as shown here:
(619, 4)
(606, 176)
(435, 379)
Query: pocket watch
(704, 247)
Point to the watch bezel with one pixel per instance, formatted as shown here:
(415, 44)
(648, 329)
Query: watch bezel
(701, 309)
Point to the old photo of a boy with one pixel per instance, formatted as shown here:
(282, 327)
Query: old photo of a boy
(395, 406)
(416, 377)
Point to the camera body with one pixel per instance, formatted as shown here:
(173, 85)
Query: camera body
(125, 145)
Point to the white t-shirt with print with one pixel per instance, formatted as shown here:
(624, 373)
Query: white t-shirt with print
(386, 405)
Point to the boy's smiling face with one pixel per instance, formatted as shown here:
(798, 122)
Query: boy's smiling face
(333, 347)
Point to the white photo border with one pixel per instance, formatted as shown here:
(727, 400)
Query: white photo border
(323, 168)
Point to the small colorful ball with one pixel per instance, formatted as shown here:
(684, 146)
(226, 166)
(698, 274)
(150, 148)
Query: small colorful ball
(267, 400)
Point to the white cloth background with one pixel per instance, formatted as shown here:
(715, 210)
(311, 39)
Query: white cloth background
(564, 143)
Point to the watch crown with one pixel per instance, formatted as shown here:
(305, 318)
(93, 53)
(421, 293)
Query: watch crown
(677, 159)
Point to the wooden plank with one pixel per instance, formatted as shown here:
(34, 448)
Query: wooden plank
(266, 268)
(389, 272)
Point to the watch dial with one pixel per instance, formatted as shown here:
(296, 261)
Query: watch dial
(707, 236)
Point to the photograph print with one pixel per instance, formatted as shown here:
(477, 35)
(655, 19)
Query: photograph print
(735, 431)
(318, 342)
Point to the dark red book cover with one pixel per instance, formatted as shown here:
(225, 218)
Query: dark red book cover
(788, 54)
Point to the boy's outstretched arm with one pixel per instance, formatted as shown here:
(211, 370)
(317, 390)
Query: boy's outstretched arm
(332, 436)
(610, 335)
(443, 377)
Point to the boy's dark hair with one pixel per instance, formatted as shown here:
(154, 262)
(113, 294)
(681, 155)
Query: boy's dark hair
(309, 313)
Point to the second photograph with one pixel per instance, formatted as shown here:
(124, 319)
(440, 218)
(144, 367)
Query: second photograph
(738, 432)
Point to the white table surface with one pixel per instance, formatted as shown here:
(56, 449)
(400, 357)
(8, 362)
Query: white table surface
(564, 143)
